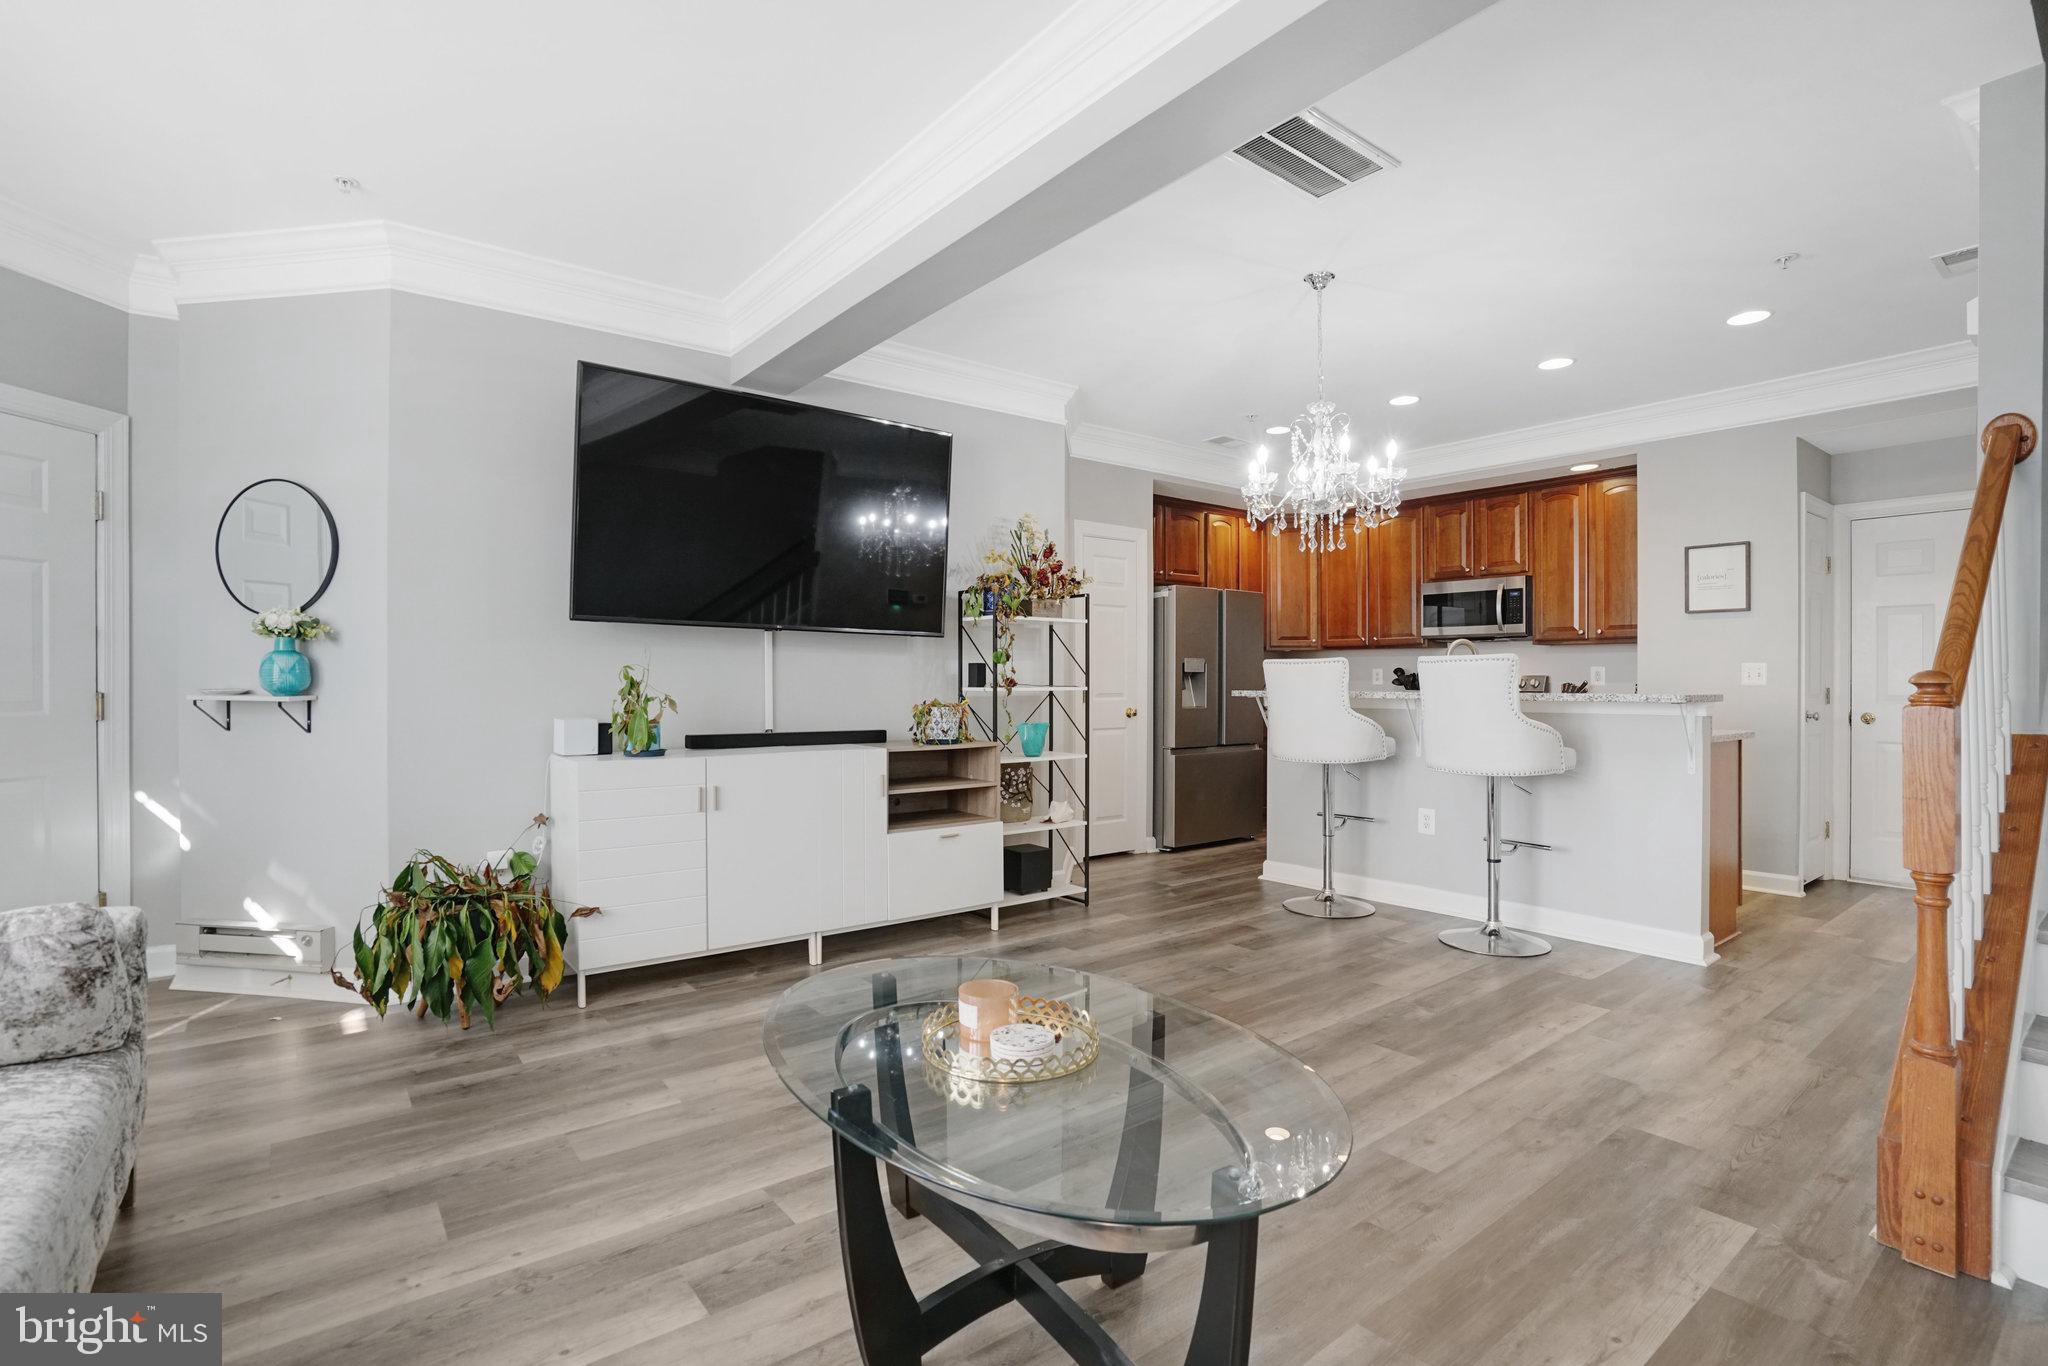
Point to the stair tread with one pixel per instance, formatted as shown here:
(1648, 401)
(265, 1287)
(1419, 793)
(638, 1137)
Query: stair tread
(2027, 1173)
(2034, 1046)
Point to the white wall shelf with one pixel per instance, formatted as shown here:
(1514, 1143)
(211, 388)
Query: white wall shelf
(1051, 756)
(226, 702)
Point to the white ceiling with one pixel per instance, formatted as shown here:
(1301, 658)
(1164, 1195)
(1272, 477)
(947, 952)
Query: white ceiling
(1602, 179)
(681, 142)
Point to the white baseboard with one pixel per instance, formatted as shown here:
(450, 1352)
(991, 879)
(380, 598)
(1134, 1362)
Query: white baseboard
(1772, 884)
(1675, 945)
(294, 986)
(163, 960)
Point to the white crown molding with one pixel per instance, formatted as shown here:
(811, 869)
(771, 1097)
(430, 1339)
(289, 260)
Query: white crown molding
(342, 257)
(930, 374)
(47, 250)
(1082, 56)
(1914, 374)
(1136, 451)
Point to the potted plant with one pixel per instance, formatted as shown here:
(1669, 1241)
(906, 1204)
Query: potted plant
(284, 671)
(446, 938)
(938, 722)
(1048, 581)
(636, 715)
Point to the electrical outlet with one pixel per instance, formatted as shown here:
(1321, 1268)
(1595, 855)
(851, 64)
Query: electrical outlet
(1425, 820)
(1379, 675)
(1596, 676)
(1752, 675)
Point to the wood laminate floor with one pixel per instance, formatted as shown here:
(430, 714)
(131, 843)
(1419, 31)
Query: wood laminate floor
(1587, 1157)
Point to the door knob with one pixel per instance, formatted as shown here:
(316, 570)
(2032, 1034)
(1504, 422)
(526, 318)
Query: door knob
(1130, 711)
(1813, 716)
(1868, 718)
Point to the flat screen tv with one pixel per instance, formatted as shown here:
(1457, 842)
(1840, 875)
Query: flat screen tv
(708, 507)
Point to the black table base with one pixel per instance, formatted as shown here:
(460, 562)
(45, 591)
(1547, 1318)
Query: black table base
(895, 1328)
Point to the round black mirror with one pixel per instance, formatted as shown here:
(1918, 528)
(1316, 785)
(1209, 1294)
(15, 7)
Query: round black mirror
(276, 546)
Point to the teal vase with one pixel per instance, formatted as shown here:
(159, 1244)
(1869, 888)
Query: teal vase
(284, 671)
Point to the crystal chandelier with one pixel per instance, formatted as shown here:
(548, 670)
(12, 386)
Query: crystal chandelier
(1325, 486)
(901, 534)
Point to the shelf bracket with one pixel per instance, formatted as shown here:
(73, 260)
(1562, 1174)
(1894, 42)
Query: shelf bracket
(305, 725)
(226, 719)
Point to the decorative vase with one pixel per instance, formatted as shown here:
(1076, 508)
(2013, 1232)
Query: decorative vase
(653, 743)
(988, 602)
(284, 671)
(1048, 607)
(1015, 792)
(1031, 737)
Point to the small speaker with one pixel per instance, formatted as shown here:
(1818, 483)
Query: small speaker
(977, 675)
(576, 735)
(1026, 867)
(604, 737)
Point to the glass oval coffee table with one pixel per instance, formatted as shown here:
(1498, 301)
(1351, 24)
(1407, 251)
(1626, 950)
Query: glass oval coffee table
(1186, 1129)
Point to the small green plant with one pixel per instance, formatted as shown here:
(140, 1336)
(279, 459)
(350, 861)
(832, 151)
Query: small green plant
(638, 710)
(289, 624)
(447, 938)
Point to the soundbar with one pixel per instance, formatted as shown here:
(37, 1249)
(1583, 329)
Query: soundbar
(763, 739)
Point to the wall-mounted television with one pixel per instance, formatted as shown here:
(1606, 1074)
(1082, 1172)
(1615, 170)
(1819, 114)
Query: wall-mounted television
(709, 507)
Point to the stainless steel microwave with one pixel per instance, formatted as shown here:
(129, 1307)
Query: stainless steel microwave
(1479, 608)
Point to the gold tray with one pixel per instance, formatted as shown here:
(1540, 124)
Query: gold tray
(1072, 1026)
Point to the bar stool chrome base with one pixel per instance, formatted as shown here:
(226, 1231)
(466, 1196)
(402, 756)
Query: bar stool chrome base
(1330, 906)
(1495, 941)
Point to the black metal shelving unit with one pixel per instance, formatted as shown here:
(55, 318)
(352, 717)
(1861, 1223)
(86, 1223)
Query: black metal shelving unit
(975, 643)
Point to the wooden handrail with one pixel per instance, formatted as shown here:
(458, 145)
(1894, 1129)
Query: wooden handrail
(1921, 1213)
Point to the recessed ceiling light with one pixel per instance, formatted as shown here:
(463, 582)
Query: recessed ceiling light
(1277, 431)
(1402, 400)
(1748, 316)
(1585, 468)
(1554, 363)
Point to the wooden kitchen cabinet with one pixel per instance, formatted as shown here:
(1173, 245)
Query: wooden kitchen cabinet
(1611, 558)
(1393, 584)
(1178, 543)
(1500, 534)
(1251, 556)
(1220, 536)
(1290, 593)
(1446, 539)
(1340, 594)
(1558, 564)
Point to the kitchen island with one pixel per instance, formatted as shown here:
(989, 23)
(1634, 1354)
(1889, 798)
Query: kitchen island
(1629, 825)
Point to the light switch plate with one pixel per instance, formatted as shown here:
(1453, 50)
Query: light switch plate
(1596, 676)
(1379, 675)
(1752, 675)
(1425, 820)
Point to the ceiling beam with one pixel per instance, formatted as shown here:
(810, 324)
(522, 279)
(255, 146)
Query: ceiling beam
(1243, 69)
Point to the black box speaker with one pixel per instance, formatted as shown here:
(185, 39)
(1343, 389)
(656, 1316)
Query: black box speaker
(1026, 867)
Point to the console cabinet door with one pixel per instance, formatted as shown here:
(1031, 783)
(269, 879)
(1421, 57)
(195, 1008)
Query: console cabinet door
(1393, 590)
(1290, 593)
(1251, 556)
(774, 844)
(1611, 543)
(1219, 535)
(1177, 544)
(1558, 564)
(1447, 540)
(1340, 593)
(1500, 534)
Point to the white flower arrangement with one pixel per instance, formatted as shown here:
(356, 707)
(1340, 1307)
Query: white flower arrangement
(290, 623)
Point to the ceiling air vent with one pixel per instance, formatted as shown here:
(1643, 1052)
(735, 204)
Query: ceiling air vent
(1959, 262)
(1315, 153)
(1227, 443)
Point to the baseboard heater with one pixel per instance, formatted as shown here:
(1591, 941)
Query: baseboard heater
(239, 944)
(764, 739)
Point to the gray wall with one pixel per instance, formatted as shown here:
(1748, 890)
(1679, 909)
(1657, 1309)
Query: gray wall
(1816, 473)
(1948, 465)
(2012, 342)
(157, 600)
(59, 343)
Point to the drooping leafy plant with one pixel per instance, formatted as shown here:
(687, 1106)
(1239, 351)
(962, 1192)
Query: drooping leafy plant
(446, 938)
(638, 710)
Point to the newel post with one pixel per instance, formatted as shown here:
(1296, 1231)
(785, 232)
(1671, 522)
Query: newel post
(1930, 1081)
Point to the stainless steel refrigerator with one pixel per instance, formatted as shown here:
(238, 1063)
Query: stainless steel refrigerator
(1209, 765)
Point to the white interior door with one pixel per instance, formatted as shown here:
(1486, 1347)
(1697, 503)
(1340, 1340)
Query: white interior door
(1900, 572)
(49, 786)
(1817, 711)
(1118, 561)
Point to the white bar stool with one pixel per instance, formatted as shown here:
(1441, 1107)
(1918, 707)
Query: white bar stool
(1472, 722)
(1309, 720)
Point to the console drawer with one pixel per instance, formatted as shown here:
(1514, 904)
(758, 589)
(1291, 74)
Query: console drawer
(950, 869)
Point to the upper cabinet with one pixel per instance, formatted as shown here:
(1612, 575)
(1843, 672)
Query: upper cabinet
(1220, 535)
(1340, 594)
(1251, 556)
(1557, 569)
(1393, 601)
(1290, 594)
(1178, 543)
(1446, 539)
(1611, 558)
(1500, 534)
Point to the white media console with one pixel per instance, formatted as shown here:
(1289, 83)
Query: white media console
(695, 853)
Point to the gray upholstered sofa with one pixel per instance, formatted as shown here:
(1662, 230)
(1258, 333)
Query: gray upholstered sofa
(73, 980)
